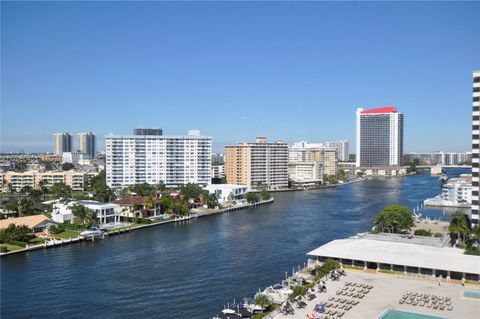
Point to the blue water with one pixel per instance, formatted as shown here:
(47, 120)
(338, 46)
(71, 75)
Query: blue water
(191, 270)
(397, 314)
(472, 294)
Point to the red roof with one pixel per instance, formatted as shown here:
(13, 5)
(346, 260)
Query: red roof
(386, 109)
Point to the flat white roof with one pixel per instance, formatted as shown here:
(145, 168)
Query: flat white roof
(224, 186)
(400, 253)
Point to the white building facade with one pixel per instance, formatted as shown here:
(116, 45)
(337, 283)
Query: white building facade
(218, 171)
(106, 212)
(379, 134)
(343, 153)
(227, 192)
(475, 146)
(175, 160)
(457, 192)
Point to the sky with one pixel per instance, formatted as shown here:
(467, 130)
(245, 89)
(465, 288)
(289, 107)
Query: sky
(235, 70)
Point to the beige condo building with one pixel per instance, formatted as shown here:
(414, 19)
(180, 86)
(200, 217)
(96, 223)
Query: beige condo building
(78, 181)
(256, 164)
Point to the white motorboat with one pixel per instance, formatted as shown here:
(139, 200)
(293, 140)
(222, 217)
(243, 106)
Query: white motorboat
(91, 232)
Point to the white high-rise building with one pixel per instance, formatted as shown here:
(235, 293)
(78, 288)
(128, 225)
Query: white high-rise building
(379, 137)
(475, 146)
(342, 149)
(175, 160)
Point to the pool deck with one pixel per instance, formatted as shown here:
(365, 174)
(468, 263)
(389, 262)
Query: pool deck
(386, 292)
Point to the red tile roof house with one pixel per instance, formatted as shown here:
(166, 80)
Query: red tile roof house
(135, 206)
(37, 223)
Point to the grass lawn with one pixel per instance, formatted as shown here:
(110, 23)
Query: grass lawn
(36, 241)
(11, 247)
(66, 234)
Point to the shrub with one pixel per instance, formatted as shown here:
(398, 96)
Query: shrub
(472, 251)
(422, 232)
(3, 250)
(17, 233)
(56, 229)
(438, 235)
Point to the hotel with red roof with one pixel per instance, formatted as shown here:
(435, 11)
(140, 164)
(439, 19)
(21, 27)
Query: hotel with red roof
(379, 137)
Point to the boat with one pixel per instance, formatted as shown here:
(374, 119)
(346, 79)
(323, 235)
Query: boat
(91, 232)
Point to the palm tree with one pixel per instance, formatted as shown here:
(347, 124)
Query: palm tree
(23, 206)
(458, 225)
(81, 214)
(262, 301)
(42, 185)
(475, 234)
(26, 190)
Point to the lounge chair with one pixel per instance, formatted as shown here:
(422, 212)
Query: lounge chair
(449, 308)
(401, 301)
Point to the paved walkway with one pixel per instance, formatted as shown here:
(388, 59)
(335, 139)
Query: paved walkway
(387, 291)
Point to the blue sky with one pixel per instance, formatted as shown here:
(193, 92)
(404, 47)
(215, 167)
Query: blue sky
(236, 70)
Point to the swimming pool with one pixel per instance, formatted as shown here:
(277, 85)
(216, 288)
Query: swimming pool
(472, 294)
(398, 314)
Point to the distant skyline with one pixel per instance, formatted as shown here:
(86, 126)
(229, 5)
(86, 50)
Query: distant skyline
(289, 71)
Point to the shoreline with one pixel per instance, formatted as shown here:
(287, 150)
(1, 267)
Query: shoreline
(60, 242)
(54, 242)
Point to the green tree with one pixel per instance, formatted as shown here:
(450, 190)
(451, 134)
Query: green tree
(252, 197)
(36, 195)
(100, 188)
(60, 190)
(395, 218)
(67, 166)
(210, 200)
(330, 179)
(26, 190)
(459, 225)
(474, 234)
(18, 233)
(143, 189)
(20, 166)
(150, 203)
(83, 216)
(341, 174)
(192, 191)
(11, 205)
(24, 206)
(160, 186)
(265, 195)
(262, 301)
(42, 186)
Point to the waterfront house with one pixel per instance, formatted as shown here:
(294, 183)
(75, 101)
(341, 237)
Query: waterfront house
(137, 206)
(227, 192)
(106, 212)
(38, 223)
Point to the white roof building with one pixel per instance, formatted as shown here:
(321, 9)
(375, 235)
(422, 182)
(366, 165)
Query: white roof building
(227, 192)
(413, 252)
